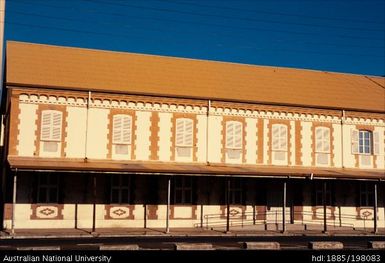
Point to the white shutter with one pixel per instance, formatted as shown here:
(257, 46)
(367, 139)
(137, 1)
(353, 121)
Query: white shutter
(318, 139)
(355, 141)
(121, 133)
(45, 126)
(326, 138)
(275, 139)
(51, 125)
(184, 132)
(237, 135)
(56, 126)
(283, 138)
(179, 132)
(188, 140)
(376, 143)
(126, 129)
(229, 134)
(117, 127)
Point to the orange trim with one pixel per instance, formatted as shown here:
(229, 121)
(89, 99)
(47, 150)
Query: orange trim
(154, 147)
(14, 124)
(331, 139)
(242, 120)
(298, 144)
(270, 136)
(193, 117)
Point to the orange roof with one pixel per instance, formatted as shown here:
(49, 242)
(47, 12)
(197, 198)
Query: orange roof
(78, 68)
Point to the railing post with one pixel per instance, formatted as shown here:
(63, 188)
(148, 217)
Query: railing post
(284, 208)
(375, 209)
(324, 205)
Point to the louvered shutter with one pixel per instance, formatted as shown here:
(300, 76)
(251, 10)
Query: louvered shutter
(275, 139)
(318, 136)
(283, 138)
(229, 134)
(355, 142)
(45, 125)
(126, 129)
(51, 123)
(117, 128)
(237, 135)
(326, 138)
(188, 132)
(179, 132)
(376, 143)
(56, 126)
(184, 132)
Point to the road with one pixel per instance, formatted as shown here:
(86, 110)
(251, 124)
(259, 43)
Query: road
(167, 242)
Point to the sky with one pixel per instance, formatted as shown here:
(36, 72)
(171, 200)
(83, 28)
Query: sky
(327, 35)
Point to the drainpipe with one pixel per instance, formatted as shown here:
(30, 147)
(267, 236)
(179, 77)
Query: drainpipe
(207, 132)
(86, 135)
(342, 138)
(14, 200)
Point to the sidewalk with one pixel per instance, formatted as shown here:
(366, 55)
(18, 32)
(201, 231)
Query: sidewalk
(177, 232)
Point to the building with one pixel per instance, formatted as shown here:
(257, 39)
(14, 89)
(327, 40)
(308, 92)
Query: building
(100, 139)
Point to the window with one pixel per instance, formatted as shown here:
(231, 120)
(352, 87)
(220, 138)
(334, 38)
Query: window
(322, 143)
(319, 195)
(47, 188)
(120, 189)
(365, 142)
(121, 133)
(183, 190)
(184, 137)
(279, 142)
(51, 129)
(233, 139)
(235, 194)
(366, 194)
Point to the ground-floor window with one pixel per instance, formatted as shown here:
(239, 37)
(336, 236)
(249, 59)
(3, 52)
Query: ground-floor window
(47, 188)
(319, 187)
(366, 194)
(120, 189)
(183, 190)
(236, 191)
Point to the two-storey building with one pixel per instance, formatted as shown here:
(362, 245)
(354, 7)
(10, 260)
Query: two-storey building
(99, 139)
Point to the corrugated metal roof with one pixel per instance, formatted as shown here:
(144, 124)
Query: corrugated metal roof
(78, 68)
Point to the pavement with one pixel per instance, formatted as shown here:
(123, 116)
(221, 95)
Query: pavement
(184, 232)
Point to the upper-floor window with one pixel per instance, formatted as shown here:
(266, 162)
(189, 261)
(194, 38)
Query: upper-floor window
(279, 142)
(365, 142)
(184, 137)
(47, 188)
(233, 139)
(322, 143)
(183, 190)
(122, 126)
(51, 130)
(120, 189)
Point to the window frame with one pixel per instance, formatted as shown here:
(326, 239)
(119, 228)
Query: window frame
(120, 188)
(185, 136)
(319, 194)
(236, 187)
(183, 188)
(234, 135)
(366, 189)
(47, 187)
(51, 126)
(325, 141)
(280, 138)
(121, 140)
(364, 143)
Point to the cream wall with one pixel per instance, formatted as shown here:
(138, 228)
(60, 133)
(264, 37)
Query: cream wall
(349, 159)
(76, 132)
(201, 137)
(143, 133)
(306, 143)
(27, 129)
(337, 144)
(251, 140)
(97, 133)
(215, 139)
(266, 141)
(165, 136)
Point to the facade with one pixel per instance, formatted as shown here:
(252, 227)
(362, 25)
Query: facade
(98, 139)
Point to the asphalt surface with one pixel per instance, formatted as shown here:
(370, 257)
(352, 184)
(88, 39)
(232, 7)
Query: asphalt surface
(167, 242)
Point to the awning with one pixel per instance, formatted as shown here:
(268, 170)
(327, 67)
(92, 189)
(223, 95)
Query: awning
(153, 167)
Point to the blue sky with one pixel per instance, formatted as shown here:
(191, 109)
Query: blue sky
(327, 35)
